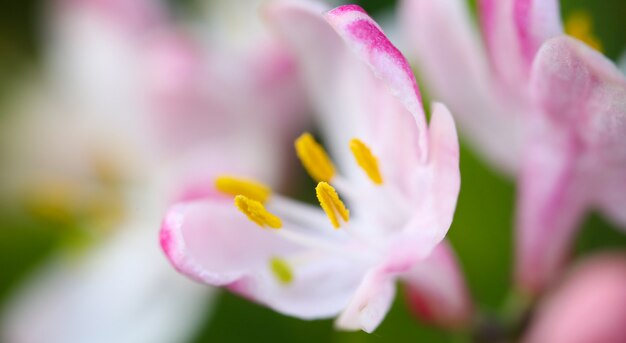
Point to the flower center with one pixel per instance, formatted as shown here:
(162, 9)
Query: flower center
(304, 224)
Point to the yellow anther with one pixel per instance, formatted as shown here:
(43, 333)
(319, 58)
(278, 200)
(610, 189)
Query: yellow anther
(281, 270)
(236, 186)
(314, 158)
(256, 212)
(580, 25)
(331, 204)
(366, 160)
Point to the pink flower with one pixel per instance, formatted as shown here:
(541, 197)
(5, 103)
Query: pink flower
(575, 158)
(227, 75)
(399, 177)
(133, 104)
(536, 103)
(589, 306)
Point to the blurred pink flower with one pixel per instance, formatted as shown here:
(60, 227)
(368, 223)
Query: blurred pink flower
(134, 103)
(589, 306)
(575, 155)
(550, 110)
(362, 88)
(436, 290)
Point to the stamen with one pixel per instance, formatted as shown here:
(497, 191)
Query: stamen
(331, 204)
(256, 212)
(281, 270)
(366, 160)
(314, 158)
(579, 25)
(236, 186)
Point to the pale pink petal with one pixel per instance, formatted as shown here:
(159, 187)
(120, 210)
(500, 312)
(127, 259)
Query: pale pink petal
(322, 287)
(505, 53)
(535, 21)
(562, 81)
(174, 72)
(211, 242)
(436, 289)
(580, 87)
(369, 43)
(120, 291)
(195, 91)
(370, 303)
(550, 206)
(245, 60)
(438, 32)
(320, 55)
(353, 100)
(93, 58)
(588, 307)
(434, 188)
(513, 31)
(443, 156)
(374, 296)
(582, 92)
(131, 16)
(193, 174)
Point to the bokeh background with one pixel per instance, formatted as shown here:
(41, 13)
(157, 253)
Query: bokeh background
(481, 233)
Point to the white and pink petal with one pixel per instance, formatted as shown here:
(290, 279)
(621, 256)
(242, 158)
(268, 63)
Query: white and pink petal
(438, 33)
(359, 83)
(513, 31)
(370, 303)
(211, 242)
(551, 202)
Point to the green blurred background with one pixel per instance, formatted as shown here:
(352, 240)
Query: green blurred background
(481, 232)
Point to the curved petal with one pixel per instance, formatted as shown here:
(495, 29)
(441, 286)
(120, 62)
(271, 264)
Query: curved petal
(406, 255)
(549, 208)
(92, 300)
(583, 92)
(444, 159)
(371, 103)
(451, 58)
(436, 289)
(211, 242)
(569, 81)
(513, 31)
(436, 187)
(369, 43)
(535, 21)
(370, 303)
(603, 101)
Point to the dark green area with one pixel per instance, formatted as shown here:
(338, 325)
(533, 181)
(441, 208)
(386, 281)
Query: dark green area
(23, 245)
(238, 320)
